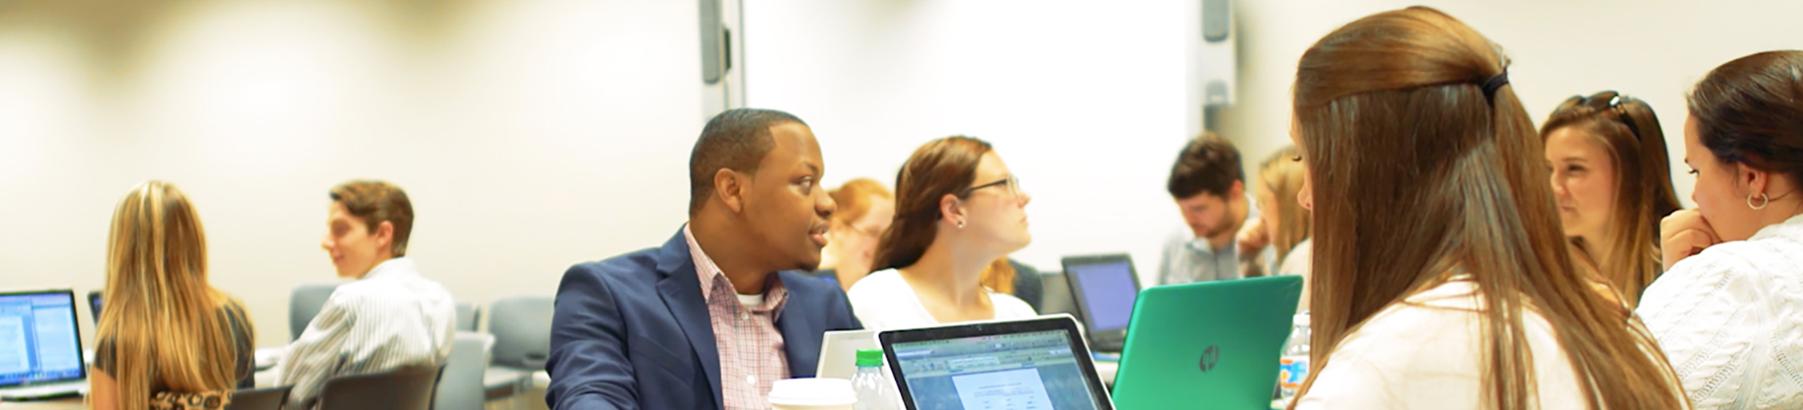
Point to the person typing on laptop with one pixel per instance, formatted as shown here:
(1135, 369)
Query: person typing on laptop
(1209, 188)
(957, 211)
(720, 312)
(167, 337)
(389, 317)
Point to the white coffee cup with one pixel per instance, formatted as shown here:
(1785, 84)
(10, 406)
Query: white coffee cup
(812, 394)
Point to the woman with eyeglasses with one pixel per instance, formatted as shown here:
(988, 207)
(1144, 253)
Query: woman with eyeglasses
(957, 210)
(1612, 181)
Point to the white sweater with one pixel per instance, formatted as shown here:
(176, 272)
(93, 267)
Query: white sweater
(1731, 321)
(1426, 354)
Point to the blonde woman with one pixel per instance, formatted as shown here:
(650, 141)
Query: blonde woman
(1285, 222)
(168, 339)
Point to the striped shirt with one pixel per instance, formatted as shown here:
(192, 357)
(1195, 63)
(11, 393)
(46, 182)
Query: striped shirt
(751, 349)
(391, 318)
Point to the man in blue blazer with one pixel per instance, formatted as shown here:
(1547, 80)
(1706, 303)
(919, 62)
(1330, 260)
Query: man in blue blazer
(721, 311)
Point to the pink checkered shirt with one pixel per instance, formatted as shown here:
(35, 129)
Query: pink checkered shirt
(751, 349)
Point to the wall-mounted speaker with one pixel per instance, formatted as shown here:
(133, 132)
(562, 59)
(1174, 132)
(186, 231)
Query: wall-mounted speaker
(1216, 57)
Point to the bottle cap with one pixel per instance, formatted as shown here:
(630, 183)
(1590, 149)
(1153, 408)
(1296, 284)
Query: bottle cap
(870, 358)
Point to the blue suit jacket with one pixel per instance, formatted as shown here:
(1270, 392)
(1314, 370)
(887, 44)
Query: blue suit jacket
(633, 332)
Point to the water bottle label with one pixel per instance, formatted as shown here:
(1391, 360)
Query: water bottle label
(1292, 370)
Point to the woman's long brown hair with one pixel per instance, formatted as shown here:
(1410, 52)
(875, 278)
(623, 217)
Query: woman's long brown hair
(163, 317)
(1429, 176)
(1629, 131)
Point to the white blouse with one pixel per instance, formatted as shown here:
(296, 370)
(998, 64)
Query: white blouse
(1426, 355)
(1730, 320)
(884, 301)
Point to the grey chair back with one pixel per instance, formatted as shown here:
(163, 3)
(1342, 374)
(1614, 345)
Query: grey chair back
(1057, 297)
(406, 388)
(304, 304)
(1029, 285)
(522, 329)
(467, 317)
(267, 398)
(94, 307)
(461, 387)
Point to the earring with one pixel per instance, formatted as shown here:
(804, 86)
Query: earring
(1763, 201)
(960, 224)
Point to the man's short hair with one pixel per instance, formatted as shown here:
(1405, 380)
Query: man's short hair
(1209, 164)
(376, 202)
(736, 139)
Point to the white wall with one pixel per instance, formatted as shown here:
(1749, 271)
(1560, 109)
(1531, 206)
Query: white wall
(1654, 51)
(530, 136)
(1087, 102)
(535, 135)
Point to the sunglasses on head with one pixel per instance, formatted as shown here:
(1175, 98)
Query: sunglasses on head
(1616, 104)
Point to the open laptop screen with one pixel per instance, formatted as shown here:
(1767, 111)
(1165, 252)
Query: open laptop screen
(1105, 288)
(1027, 370)
(39, 342)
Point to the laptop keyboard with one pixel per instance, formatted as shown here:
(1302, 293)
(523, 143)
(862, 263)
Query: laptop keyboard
(45, 391)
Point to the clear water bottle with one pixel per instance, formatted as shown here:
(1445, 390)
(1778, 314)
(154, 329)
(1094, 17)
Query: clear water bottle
(873, 388)
(1293, 366)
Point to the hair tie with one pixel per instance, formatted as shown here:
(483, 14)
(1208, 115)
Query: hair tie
(1495, 83)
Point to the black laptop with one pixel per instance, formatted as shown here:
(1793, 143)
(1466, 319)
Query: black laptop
(1105, 288)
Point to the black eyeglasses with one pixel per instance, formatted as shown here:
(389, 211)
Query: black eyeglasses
(1615, 105)
(1011, 183)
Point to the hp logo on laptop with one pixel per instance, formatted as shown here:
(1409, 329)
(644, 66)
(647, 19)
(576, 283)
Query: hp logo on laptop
(1211, 356)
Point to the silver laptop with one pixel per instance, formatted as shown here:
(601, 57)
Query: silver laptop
(40, 346)
(839, 352)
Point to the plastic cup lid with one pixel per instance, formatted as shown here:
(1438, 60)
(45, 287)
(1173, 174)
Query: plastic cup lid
(813, 392)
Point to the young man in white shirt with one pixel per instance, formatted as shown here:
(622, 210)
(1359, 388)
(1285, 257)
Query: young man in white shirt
(388, 316)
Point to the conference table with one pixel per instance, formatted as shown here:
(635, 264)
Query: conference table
(537, 383)
(265, 378)
(501, 383)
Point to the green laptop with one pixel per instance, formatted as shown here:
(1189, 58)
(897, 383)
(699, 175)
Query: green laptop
(1210, 345)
